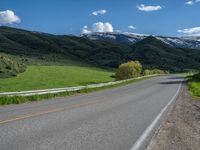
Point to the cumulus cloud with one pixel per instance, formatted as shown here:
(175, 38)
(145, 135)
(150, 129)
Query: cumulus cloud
(8, 17)
(102, 27)
(142, 7)
(85, 30)
(98, 27)
(190, 31)
(191, 2)
(99, 12)
(132, 27)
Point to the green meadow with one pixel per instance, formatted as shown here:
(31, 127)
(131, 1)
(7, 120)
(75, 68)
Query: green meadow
(44, 77)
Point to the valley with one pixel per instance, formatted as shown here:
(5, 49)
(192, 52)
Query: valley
(151, 52)
(43, 61)
(99, 75)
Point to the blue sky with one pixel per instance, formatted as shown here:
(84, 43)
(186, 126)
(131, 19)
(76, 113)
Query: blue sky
(160, 17)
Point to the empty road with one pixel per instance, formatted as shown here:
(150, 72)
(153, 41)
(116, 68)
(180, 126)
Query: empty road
(111, 119)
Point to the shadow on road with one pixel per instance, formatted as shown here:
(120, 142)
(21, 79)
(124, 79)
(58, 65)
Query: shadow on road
(173, 82)
(176, 78)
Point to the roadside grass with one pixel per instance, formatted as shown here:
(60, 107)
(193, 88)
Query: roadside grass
(38, 77)
(193, 82)
(6, 100)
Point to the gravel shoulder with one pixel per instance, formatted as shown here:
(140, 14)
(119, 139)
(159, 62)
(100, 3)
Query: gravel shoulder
(181, 128)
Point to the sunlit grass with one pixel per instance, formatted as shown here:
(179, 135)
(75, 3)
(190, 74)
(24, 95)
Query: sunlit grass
(45, 77)
(6, 100)
(194, 85)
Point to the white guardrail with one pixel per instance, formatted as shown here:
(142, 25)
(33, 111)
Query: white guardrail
(67, 89)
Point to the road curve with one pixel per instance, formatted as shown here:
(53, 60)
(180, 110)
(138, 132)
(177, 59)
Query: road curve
(112, 119)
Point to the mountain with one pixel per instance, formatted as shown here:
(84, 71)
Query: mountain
(115, 37)
(130, 38)
(48, 47)
(156, 54)
(149, 50)
(196, 38)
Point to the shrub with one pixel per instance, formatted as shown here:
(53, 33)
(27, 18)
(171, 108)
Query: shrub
(154, 71)
(147, 72)
(129, 70)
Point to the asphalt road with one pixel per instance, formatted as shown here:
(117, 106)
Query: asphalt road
(112, 119)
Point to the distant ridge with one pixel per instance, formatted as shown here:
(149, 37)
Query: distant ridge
(178, 42)
(149, 50)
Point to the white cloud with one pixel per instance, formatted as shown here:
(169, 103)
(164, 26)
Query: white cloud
(99, 12)
(191, 2)
(8, 17)
(190, 31)
(132, 27)
(142, 7)
(102, 27)
(85, 30)
(98, 27)
(118, 31)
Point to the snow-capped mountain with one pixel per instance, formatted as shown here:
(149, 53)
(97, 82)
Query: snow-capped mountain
(116, 37)
(197, 38)
(181, 42)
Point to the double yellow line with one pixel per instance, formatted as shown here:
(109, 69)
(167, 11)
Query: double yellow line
(52, 110)
(17, 118)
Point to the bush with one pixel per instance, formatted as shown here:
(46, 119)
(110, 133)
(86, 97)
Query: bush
(10, 67)
(147, 72)
(154, 71)
(129, 70)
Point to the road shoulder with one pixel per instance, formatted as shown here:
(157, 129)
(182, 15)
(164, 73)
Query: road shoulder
(180, 130)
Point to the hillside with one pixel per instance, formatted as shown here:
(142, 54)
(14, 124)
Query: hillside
(56, 48)
(152, 52)
(156, 54)
(39, 77)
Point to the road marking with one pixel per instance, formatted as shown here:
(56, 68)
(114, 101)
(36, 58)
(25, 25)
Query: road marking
(52, 110)
(26, 116)
(47, 112)
(137, 145)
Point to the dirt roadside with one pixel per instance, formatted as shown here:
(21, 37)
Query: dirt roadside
(181, 129)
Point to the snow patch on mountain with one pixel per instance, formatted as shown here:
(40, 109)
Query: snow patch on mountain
(127, 37)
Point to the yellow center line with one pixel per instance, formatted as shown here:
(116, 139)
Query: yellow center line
(52, 110)
(46, 112)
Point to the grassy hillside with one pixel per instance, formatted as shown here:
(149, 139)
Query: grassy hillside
(151, 52)
(52, 47)
(44, 77)
(154, 53)
(194, 85)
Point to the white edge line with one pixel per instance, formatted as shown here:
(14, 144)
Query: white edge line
(137, 145)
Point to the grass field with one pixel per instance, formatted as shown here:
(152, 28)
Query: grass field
(44, 77)
(6, 100)
(194, 85)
